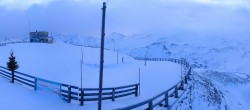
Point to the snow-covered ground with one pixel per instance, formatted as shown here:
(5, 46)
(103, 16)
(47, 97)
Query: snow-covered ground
(220, 78)
(16, 97)
(60, 62)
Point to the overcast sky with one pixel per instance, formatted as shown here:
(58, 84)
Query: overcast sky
(229, 18)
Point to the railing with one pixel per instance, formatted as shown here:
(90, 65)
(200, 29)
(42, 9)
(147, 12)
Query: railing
(69, 92)
(19, 77)
(179, 61)
(164, 96)
(11, 42)
(91, 94)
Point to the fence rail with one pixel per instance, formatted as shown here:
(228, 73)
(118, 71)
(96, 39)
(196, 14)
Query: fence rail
(91, 94)
(179, 61)
(69, 92)
(163, 98)
(19, 77)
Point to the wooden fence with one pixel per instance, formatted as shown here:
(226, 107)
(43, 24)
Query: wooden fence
(163, 98)
(179, 61)
(11, 42)
(91, 94)
(22, 78)
(69, 92)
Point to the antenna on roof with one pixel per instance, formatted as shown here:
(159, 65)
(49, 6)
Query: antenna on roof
(29, 26)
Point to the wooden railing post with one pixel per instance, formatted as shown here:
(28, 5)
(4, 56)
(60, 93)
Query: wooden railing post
(176, 92)
(35, 84)
(150, 105)
(185, 79)
(12, 76)
(182, 85)
(188, 75)
(69, 94)
(113, 94)
(136, 90)
(81, 96)
(166, 100)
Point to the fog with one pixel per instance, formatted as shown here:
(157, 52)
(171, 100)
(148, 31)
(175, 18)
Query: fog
(203, 18)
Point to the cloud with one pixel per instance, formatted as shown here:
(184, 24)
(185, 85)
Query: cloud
(227, 3)
(22, 4)
(129, 17)
(25, 4)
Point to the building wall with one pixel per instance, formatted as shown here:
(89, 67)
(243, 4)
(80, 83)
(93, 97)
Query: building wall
(39, 37)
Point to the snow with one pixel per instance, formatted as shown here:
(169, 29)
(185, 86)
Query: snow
(60, 62)
(16, 97)
(220, 67)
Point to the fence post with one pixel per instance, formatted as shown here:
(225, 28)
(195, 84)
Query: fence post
(185, 79)
(150, 105)
(69, 94)
(12, 76)
(113, 94)
(176, 92)
(136, 90)
(35, 84)
(188, 74)
(183, 84)
(166, 99)
(81, 97)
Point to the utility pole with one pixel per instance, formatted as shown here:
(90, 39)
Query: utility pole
(29, 26)
(81, 65)
(181, 69)
(29, 29)
(117, 61)
(81, 78)
(139, 81)
(114, 44)
(145, 64)
(102, 57)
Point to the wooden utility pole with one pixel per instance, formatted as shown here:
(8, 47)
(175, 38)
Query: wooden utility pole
(101, 57)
